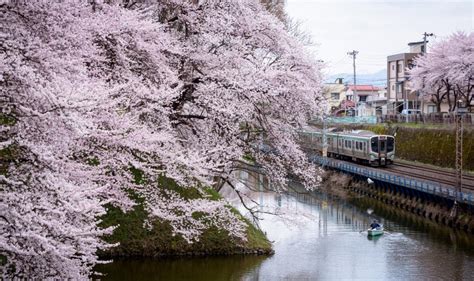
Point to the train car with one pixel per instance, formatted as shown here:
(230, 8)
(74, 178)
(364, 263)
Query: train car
(359, 146)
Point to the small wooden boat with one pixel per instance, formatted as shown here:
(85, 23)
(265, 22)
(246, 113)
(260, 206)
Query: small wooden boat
(375, 231)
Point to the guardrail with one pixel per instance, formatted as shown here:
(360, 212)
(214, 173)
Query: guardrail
(349, 120)
(440, 118)
(429, 187)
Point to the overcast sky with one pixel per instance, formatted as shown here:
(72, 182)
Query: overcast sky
(376, 28)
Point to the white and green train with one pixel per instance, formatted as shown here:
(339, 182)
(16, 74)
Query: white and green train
(359, 146)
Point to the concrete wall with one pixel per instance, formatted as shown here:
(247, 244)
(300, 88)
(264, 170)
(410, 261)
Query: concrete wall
(430, 146)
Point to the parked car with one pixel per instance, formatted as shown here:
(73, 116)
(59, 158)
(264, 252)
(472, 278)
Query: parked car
(410, 111)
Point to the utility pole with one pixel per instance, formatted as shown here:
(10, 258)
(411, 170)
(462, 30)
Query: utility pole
(459, 136)
(425, 50)
(354, 54)
(424, 41)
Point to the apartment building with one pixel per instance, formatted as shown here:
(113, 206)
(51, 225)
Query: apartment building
(399, 94)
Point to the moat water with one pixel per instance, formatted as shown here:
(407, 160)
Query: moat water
(319, 238)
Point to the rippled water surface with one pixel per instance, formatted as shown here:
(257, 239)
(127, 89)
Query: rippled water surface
(316, 238)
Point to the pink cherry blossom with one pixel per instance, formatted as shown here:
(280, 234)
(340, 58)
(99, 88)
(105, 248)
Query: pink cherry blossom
(184, 89)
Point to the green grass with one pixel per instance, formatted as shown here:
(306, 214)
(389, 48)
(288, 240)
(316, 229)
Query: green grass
(93, 161)
(256, 238)
(249, 158)
(136, 240)
(7, 120)
(8, 155)
(425, 126)
(138, 175)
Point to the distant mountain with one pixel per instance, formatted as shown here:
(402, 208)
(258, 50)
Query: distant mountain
(378, 78)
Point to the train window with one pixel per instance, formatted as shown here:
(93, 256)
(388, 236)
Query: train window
(390, 144)
(365, 146)
(382, 145)
(374, 144)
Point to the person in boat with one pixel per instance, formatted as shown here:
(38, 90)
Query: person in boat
(374, 224)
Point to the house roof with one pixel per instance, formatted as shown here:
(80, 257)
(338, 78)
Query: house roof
(416, 43)
(364, 88)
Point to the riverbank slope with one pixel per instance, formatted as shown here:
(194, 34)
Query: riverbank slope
(139, 238)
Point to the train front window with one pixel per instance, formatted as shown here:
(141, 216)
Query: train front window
(382, 145)
(390, 144)
(374, 143)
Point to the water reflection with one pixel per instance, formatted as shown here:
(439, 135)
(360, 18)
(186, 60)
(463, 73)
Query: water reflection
(319, 238)
(334, 245)
(205, 268)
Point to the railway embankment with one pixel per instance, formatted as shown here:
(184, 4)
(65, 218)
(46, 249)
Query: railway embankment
(424, 144)
(351, 189)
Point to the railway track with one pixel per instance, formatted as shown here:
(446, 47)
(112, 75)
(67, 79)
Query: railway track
(433, 174)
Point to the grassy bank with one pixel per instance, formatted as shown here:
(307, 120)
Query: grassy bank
(137, 241)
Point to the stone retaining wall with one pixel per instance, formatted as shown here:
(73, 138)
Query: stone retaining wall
(345, 186)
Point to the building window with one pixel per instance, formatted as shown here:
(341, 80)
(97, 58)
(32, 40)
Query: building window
(335, 96)
(399, 87)
(432, 108)
(393, 87)
(400, 67)
(362, 98)
(393, 67)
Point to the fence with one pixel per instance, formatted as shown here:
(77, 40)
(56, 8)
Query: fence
(430, 187)
(436, 118)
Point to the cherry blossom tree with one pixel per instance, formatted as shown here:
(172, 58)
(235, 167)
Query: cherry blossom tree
(49, 202)
(447, 72)
(239, 78)
(182, 89)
